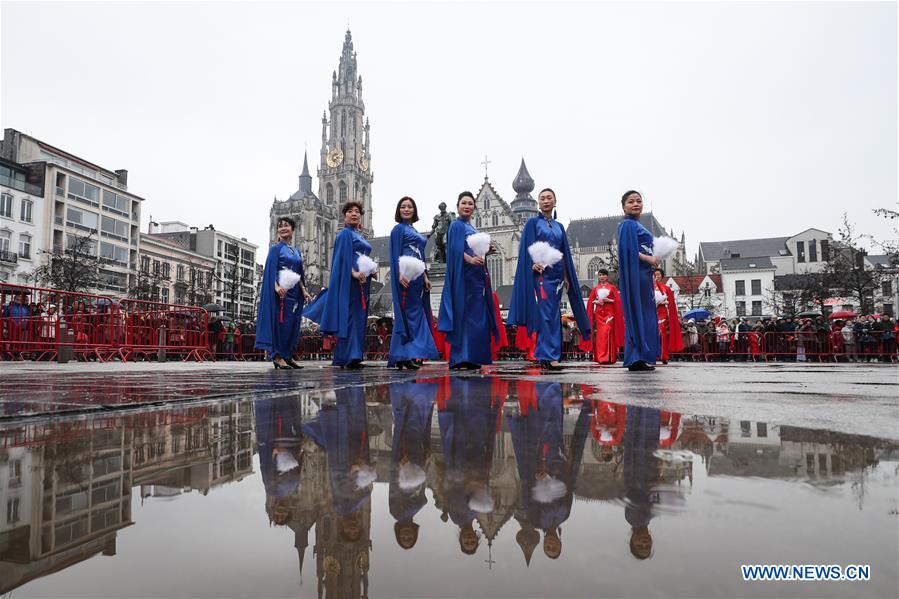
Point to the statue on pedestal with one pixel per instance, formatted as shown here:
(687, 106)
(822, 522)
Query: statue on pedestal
(440, 228)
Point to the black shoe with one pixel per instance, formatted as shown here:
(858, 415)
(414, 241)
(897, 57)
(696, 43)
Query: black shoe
(355, 365)
(280, 366)
(640, 366)
(404, 364)
(412, 365)
(293, 364)
(547, 365)
(471, 366)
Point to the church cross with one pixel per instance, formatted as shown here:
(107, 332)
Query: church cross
(490, 561)
(486, 163)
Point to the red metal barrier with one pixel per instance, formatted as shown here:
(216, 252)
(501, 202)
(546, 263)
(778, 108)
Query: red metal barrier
(152, 326)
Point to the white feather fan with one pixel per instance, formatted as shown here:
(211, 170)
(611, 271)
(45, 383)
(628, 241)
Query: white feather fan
(663, 247)
(365, 476)
(411, 476)
(366, 265)
(479, 244)
(287, 279)
(602, 294)
(411, 267)
(544, 254)
(548, 489)
(661, 298)
(285, 462)
(481, 502)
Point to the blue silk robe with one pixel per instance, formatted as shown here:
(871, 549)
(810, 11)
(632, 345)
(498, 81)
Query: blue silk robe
(641, 467)
(411, 338)
(278, 428)
(641, 333)
(338, 309)
(277, 338)
(413, 407)
(529, 307)
(466, 304)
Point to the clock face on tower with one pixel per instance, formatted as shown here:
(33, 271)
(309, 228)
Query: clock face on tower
(335, 157)
(363, 164)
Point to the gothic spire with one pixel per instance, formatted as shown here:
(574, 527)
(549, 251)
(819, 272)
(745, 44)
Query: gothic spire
(523, 184)
(305, 177)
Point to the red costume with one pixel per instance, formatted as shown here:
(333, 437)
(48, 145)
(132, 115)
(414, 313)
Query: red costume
(670, 336)
(608, 424)
(670, 426)
(503, 341)
(607, 320)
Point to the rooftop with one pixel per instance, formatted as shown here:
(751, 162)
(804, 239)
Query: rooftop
(753, 263)
(716, 250)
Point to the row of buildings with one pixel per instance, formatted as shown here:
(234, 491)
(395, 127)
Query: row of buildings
(52, 201)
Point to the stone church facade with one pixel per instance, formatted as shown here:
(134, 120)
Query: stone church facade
(344, 173)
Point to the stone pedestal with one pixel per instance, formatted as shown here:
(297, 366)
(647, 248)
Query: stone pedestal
(437, 276)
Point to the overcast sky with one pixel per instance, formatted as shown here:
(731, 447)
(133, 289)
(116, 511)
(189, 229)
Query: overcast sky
(735, 120)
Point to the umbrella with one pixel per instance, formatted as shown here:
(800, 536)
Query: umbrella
(697, 314)
(213, 308)
(103, 301)
(809, 314)
(843, 314)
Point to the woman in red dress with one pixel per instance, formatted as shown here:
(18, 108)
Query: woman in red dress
(607, 320)
(671, 340)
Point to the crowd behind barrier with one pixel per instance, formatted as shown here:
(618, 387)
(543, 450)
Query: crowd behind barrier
(35, 323)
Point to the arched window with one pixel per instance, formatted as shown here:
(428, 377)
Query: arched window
(593, 269)
(495, 268)
(343, 191)
(329, 193)
(495, 219)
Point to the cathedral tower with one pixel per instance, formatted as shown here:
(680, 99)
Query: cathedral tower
(344, 172)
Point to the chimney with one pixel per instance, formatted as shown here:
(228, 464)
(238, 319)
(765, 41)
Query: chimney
(122, 176)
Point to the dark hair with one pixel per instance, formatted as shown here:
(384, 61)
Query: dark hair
(629, 192)
(547, 189)
(602, 271)
(288, 220)
(346, 207)
(399, 218)
(659, 270)
(465, 194)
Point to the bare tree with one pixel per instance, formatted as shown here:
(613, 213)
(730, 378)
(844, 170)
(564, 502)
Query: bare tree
(75, 267)
(845, 268)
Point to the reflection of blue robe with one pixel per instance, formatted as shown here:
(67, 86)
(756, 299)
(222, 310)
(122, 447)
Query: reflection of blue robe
(343, 433)
(528, 307)
(641, 467)
(413, 405)
(467, 435)
(338, 309)
(466, 304)
(278, 424)
(641, 332)
(273, 336)
(411, 338)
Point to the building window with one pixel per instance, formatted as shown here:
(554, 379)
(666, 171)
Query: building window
(25, 212)
(745, 428)
(887, 310)
(145, 263)
(495, 219)
(165, 295)
(12, 510)
(25, 246)
(114, 228)
(179, 272)
(495, 268)
(800, 251)
(116, 203)
(825, 250)
(15, 473)
(166, 270)
(756, 308)
(762, 429)
(812, 251)
(114, 253)
(886, 288)
(329, 193)
(756, 286)
(81, 220)
(593, 269)
(741, 308)
(84, 192)
(6, 205)
(156, 268)
(739, 287)
(343, 192)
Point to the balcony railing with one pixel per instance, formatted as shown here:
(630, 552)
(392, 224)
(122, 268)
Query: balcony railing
(21, 185)
(60, 191)
(10, 257)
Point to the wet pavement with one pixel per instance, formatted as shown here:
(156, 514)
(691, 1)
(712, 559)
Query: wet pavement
(321, 482)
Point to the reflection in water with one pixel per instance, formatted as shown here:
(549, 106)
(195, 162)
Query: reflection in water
(500, 451)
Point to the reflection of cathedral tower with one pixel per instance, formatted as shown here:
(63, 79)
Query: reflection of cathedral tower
(344, 173)
(342, 564)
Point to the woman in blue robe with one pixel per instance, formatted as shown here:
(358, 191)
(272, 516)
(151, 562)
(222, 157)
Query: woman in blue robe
(468, 426)
(281, 310)
(412, 338)
(537, 294)
(413, 406)
(279, 440)
(635, 283)
(342, 309)
(342, 431)
(641, 475)
(466, 304)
